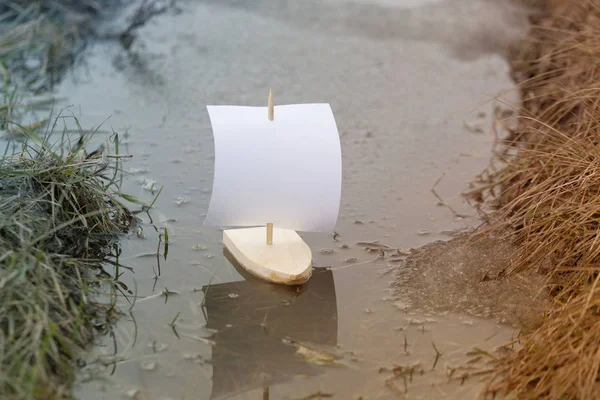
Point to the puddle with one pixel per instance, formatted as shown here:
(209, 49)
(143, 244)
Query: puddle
(202, 329)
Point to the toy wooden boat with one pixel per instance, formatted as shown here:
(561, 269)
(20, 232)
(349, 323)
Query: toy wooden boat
(278, 170)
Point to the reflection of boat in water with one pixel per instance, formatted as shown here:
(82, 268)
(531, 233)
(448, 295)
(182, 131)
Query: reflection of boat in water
(252, 317)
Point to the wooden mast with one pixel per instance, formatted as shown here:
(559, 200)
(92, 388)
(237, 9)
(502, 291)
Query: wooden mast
(271, 115)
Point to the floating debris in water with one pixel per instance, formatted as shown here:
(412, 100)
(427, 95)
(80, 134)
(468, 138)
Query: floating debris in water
(314, 355)
(414, 321)
(319, 395)
(202, 340)
(373, 245)
(157, 347)
(473, 127)
(140, 232)
(199, 248)
(358, 222)
(191, 356)
(132, 393)
(368, 311)
(148, 184)
(327, 251)
(149, 365)
(136, 171)
(344, 246)
(209, 256)
(179, 200)
(233, 295)
(424, 232)
(396, 259)
(351, 259)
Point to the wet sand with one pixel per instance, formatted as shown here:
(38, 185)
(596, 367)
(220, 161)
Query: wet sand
(410, 88)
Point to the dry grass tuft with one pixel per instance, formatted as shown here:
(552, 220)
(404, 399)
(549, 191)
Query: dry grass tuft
(547, 199)
(559, 360)
(550, 202)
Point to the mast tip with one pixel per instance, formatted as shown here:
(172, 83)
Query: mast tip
(271, 108)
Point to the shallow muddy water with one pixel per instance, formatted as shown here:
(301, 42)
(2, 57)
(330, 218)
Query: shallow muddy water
(410, 87)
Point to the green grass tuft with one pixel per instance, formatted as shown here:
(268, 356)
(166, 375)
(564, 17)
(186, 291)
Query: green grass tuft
(60, 217)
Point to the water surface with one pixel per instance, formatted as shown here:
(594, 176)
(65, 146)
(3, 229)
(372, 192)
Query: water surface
(407, 82)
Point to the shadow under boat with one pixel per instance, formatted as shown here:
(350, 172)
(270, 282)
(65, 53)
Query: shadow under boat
(251, 319)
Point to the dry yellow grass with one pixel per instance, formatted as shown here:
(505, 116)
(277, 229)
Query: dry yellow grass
(547, 199)
(560, 359)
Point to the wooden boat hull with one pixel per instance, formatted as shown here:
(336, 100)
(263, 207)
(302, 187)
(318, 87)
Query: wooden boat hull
(287, 261)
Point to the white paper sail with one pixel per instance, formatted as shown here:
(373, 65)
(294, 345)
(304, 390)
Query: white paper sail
(287, 171)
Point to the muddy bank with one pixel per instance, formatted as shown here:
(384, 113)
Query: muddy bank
(468, 275)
